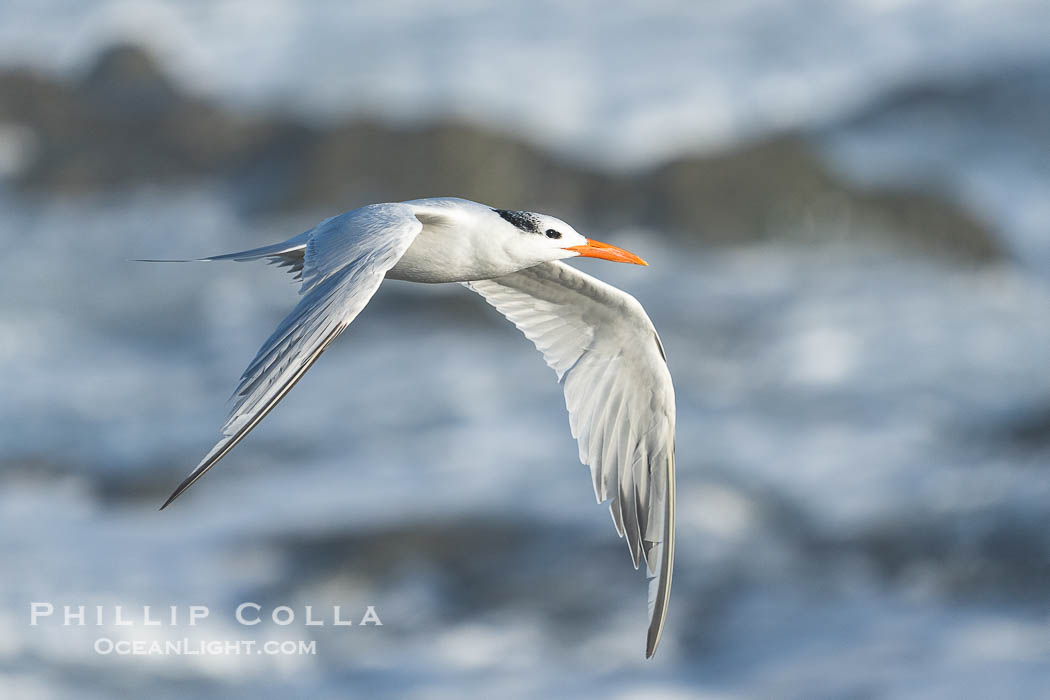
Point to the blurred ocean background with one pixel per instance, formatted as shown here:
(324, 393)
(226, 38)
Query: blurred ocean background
(846, 209)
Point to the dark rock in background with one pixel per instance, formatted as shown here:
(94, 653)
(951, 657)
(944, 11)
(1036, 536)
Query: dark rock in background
(122, 123)
(125, 123)
(1009, 100)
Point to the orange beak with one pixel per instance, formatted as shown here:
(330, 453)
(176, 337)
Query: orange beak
(597, 249)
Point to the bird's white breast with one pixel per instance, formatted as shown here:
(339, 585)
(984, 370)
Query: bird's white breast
(435, 256)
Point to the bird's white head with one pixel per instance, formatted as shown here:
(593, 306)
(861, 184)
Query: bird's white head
(544, 238)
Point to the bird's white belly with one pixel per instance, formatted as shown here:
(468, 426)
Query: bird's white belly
(436, 256)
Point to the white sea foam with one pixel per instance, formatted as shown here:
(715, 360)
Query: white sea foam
(782, 451)
(625, 85)
(851, 488)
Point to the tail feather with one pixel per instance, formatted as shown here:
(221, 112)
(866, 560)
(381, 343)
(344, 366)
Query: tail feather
(284, 254)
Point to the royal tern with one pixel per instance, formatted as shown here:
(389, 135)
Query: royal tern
(597, 338)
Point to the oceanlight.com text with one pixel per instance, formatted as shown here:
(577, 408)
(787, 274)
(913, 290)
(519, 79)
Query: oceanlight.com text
(212, 647)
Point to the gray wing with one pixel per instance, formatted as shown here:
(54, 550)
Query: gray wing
(343, 261)
(605, 351)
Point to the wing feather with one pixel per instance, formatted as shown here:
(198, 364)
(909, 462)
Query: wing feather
(618, 391)
(344, 260)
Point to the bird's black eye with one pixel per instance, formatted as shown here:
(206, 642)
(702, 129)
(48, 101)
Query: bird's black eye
(551, 233)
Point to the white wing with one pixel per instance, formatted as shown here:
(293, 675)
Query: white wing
(343, 261)
(602, 345)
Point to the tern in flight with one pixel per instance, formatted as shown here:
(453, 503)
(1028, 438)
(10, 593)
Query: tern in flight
(598, 340)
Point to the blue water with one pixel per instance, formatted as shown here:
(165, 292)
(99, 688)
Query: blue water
(860, 510)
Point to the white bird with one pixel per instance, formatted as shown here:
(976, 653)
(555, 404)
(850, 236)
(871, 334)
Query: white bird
(597, 338)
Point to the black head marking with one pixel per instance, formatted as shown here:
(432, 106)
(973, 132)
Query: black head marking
(524, 220)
